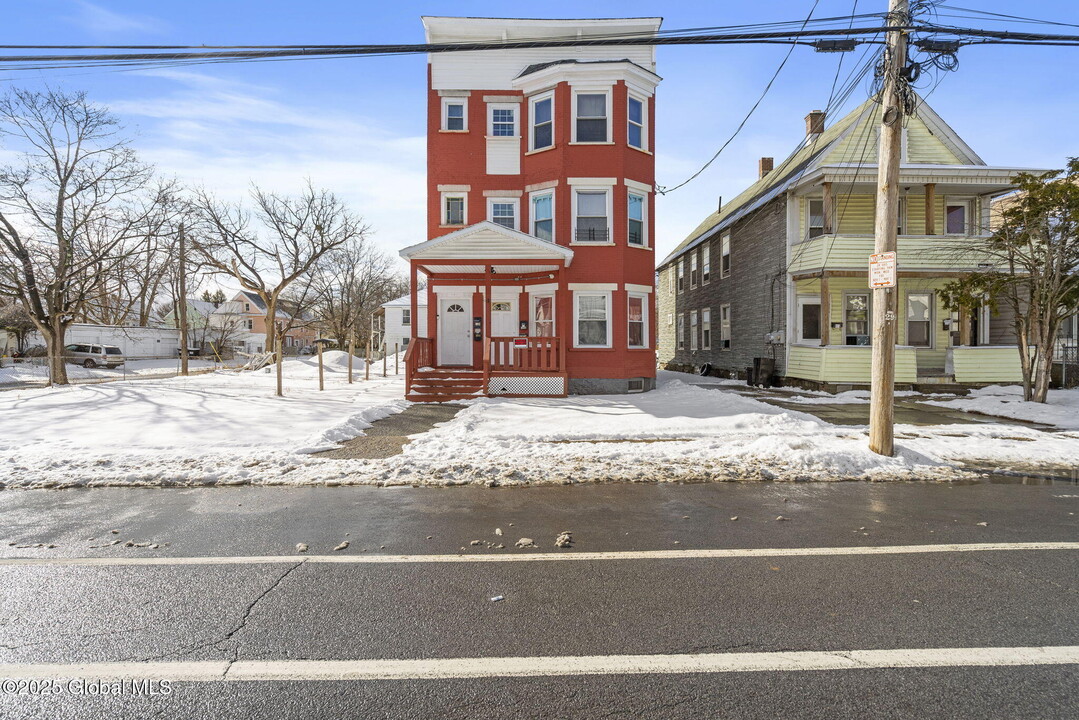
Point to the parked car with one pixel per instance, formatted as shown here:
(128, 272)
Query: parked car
(91, 356)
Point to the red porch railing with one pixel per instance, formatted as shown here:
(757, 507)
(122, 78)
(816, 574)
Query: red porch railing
(524, 354)
(420, 353)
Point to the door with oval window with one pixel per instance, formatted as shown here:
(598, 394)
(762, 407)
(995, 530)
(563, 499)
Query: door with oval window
(454, 332)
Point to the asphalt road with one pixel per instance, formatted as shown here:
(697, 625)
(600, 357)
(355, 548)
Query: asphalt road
(293, 609)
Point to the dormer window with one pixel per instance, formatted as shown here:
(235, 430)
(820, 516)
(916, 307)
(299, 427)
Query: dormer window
(591, 118)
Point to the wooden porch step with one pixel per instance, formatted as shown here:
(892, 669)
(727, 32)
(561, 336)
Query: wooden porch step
(418, 396)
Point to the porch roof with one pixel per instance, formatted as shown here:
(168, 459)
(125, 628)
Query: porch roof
(473, 248)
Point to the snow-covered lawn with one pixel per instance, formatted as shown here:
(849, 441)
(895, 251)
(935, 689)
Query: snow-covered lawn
(25, 372)
(227, 428)
(1061, 408)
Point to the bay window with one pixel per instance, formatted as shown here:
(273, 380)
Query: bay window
(636, 219)
(591, 118)
(856, 318)
(591, 216)
(542, 116)
(920, 319)
(543, 216)
(635, 135)
(815, 218)
(637, 316)
(592, 327)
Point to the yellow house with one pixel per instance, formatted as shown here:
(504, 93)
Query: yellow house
(792, 255)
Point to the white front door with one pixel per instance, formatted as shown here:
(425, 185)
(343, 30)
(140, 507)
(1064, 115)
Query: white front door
(454, 332)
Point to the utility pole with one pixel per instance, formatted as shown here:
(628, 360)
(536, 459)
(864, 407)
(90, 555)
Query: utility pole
(182, 309)
(885, 299)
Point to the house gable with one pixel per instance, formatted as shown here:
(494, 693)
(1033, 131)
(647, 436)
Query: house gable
(487, 241)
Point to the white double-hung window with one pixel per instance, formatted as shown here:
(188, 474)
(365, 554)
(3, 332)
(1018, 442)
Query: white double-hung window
(635, 123)
(454, 114)
(503, 120)
(591, 119)
(503, 211)
(592, 219)
(635, 212)
(453, 209)
(592, 327)
(637, 317)
(693, 330)
(542, 120)
(543, 216)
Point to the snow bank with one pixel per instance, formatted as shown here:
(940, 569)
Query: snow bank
(24, 372)
(1061, 408)
(228, 428)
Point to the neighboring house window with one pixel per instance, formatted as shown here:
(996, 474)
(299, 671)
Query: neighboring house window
(956, 217)
(542, 114)
(681, 331)
(591, 120)
(543, 216)
(503, 120)
(920, 319)
(725, 327)
(725, 255)
(670, 280)
(543, 315)
(453, 210)
(693, 330)
(504, 212)
(635, 126)
(693, 269)
(670, 318)
(706, 262)
(901, 221)
(638, 321)
(454, 114)
(706, 329)
(856, 318)
(593, 327)
(816, 218)
(591, 216)
(250, 324)
(406, 317)
(247, 307)
(681, 275)
(636, 219)
(404, 341)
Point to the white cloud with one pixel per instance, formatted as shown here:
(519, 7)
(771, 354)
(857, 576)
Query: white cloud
(224, 135)
(101, 21)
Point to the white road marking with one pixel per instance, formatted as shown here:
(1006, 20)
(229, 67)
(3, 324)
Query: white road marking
(487, 667)
(702, 554)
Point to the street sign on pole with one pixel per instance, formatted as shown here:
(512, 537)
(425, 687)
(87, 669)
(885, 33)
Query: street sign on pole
(882, 270)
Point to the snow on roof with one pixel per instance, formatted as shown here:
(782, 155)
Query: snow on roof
(406, 300)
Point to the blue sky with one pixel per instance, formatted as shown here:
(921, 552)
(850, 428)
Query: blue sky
(356, 125)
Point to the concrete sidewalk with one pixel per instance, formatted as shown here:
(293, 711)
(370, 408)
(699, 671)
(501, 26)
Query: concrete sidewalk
(387, 437)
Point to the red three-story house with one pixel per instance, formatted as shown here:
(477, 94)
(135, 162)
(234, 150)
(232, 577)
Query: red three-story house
(539, 262)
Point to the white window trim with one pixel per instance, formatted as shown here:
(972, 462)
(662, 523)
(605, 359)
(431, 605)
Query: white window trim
(969, 222)
(446, 102)
(515, 202)
(729, 326)
(694, 267)
(644, 218)
(901, 216)
(680, 332)
(408, 312)
(532, 214)
(809, 213)
(607, 91)
(577, 314)
(532, 120)
(681, 275)
(644, 121)
(706, 262)
(706, 345)
(694, 324)
(443, 196)
(808, 300)
(644, 317)
(932, 319)
(610, 213)
(725, 238)
(532, 301)
(868, 313)
(516, 108)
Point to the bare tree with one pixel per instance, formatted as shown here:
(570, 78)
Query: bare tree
(270, 249)
(1034, 259)
(16, 320)
(349, 285)
(68, 206)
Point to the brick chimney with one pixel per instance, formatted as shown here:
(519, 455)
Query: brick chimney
(815, 122)
(765, 166)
